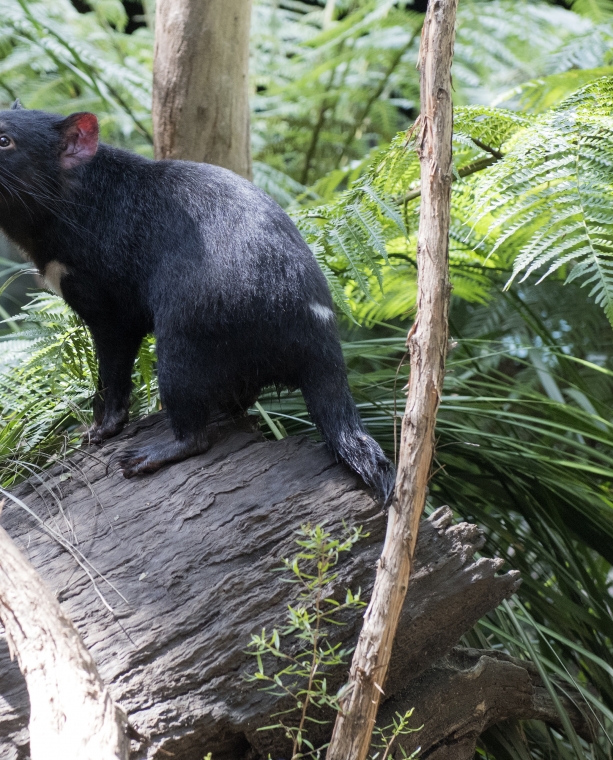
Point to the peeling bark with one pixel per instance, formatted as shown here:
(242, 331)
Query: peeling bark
(72, 713)
(427, 343)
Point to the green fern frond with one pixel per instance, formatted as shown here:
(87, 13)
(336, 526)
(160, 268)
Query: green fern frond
(597, 10)
(48, 376)
(325, 97)
(495, 51)
(54, 55)
(492, 127)
(546, 204)
(351, 236)
(539, 95)
(279, 185)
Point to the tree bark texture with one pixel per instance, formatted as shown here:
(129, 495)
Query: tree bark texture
(191, 549)
(201, 82)
(427, 343)
(468, 691)
(72, 713)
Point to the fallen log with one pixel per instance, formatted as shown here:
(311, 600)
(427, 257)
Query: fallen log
(166, 577)
(465, 693)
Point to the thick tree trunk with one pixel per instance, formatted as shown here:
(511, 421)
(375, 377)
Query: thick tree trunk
(72, 713)
(427, 343)
(200, 82)
(183, 567)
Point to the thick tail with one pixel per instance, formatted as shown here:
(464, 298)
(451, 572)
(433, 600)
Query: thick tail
(333, 410)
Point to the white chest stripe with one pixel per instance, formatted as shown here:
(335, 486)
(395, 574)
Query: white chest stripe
(323, 312)
(54, 271)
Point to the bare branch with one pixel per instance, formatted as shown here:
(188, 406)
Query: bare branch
(427, 343)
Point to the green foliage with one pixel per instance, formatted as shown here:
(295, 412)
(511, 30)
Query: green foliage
(532, 192)
(350, 236)
(303, 665)
(546, 204)
(303, 652)
(54, 58)
(539, 95)
(368, 234)
(525, 431)
(599, 10)
(339, 91)
(325, 98)
(385, 737)
(47, 381)
(503, 43)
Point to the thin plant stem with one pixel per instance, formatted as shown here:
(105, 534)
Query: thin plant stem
(314, 662)
(375, 95)
(326, 104)
(329, 13)
(476, 166)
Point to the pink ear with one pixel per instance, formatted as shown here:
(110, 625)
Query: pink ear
(80, 132)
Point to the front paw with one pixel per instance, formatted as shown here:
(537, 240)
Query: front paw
(106, 429)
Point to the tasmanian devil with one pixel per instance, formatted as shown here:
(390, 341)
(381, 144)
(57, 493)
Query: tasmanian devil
(198, 256)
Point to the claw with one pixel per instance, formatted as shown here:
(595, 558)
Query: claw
(91, 436)
(106, 429)
(136, 462)
(151, 458)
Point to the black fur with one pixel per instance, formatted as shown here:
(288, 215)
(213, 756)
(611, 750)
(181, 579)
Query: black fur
(198, 256)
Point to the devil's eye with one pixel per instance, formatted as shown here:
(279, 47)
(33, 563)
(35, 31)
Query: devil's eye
(5, 142)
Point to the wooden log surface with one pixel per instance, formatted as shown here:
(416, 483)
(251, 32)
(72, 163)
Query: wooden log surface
(469, 690)
(170, 574)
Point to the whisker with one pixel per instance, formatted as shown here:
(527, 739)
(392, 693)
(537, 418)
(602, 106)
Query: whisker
(50, 203)
(16, 196)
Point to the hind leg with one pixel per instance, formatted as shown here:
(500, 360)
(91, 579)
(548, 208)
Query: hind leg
(186, 395)
(195, 383)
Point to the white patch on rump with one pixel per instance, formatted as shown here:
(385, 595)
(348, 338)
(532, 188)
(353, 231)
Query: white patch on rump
(54, 271)
(323, 312)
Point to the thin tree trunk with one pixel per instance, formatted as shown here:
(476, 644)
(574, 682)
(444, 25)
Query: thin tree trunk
(200, 82)
(72, 713)
(329, 13)
(427, 343)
